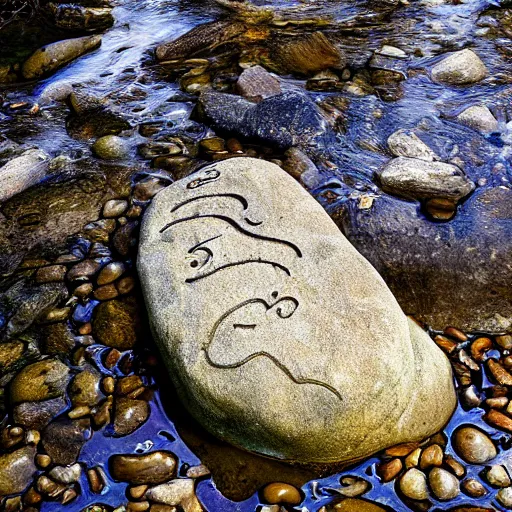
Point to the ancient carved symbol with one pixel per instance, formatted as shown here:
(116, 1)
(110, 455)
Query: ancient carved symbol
(223, 340)
(207, 177)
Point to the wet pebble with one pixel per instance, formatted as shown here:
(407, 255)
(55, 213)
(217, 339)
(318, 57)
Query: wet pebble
(83, 270)
(148, 469)
(497, 476)
(504, 496)
(109, 273)
(389, 470)
(413, 484)
(279, 493)
(63, 439)
(115, 208)
(179, 492)
(444, 485)
(40, 381)
(115, 324)
(129, 415)
(431, 456)
(66, 474)
(16, 470)
(473, 445)
(51, 274)
(472, 487)
(36, 415)
(110, 147)
(85, 388)
(106, 292)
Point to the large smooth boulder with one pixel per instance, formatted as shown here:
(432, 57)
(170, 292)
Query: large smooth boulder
(280, 337)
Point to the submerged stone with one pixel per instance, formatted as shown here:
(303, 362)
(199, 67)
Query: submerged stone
(460, 68)
(277, 333)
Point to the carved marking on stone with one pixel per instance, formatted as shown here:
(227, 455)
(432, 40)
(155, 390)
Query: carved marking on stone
(270, 313)
(237, 226)
(207, 177)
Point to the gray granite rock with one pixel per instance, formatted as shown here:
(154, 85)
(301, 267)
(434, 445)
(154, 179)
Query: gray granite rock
(480, 118)
(280, 337)
(460, 68)
(415, 178)
(22, 172)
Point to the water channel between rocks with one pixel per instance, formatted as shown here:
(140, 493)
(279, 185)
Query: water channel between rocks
(36, 229)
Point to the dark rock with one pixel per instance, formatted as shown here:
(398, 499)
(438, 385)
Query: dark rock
(289, 119)
(201, 39)
(10, 354)
(23, 304)
(16, 470)
(116, 323)
(63, 440)
(77, 17)
(84, 389)
(42, 218)
(36, 415)
(129, 415)
(57, 339)
(450, 273)
(124, 239)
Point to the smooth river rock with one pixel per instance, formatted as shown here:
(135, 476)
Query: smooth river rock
(280, 337)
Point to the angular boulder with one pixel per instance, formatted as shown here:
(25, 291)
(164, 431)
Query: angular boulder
(280, 337)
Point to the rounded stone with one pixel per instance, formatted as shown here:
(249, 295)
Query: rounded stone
(497, 476)
(413, 484)
(129, 415)
(109, 273)
(257, 298)
(279, 493)
(473, 445)
(115, 208)
(473, 488)
(16, 470)
(504, 496)
(40, 381)
(444, 485)
(110, 147)
(151, 468)
(460, 68)
(115, 324)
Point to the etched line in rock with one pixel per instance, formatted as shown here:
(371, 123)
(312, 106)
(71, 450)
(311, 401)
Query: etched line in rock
(281, 313)
(236, 226)
(212, 175)
(238, 197)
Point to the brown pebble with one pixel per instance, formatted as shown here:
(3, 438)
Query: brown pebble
(234, 146)
(401, 450)
(157, 507)
(413, 459)
(507, 362)
(85, 329)
(32, 497)
(497, 403)
(84, 269)
(106, 292)
(108, 384)
(51, 274)
(79, 412)
(505, 341)
(499, 391)
(42, 460)
(473, 488)
(125, 285)
(83, 290)
(129, 415)
(57, 315)
(148, 469)
(112, 358)
(197, 471)
(140, 506)
(68, 496)
(456, 467)
(128, 384)
(501, 375)
(279, 493)
(431, 456)
(445, 344)
(134, 212)
(102, 415)
(114, 208)
(389, 470)
(479, 347)
(95, 481)
(138, 491)
(455, 333)
(109, 273)
(498, 419)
